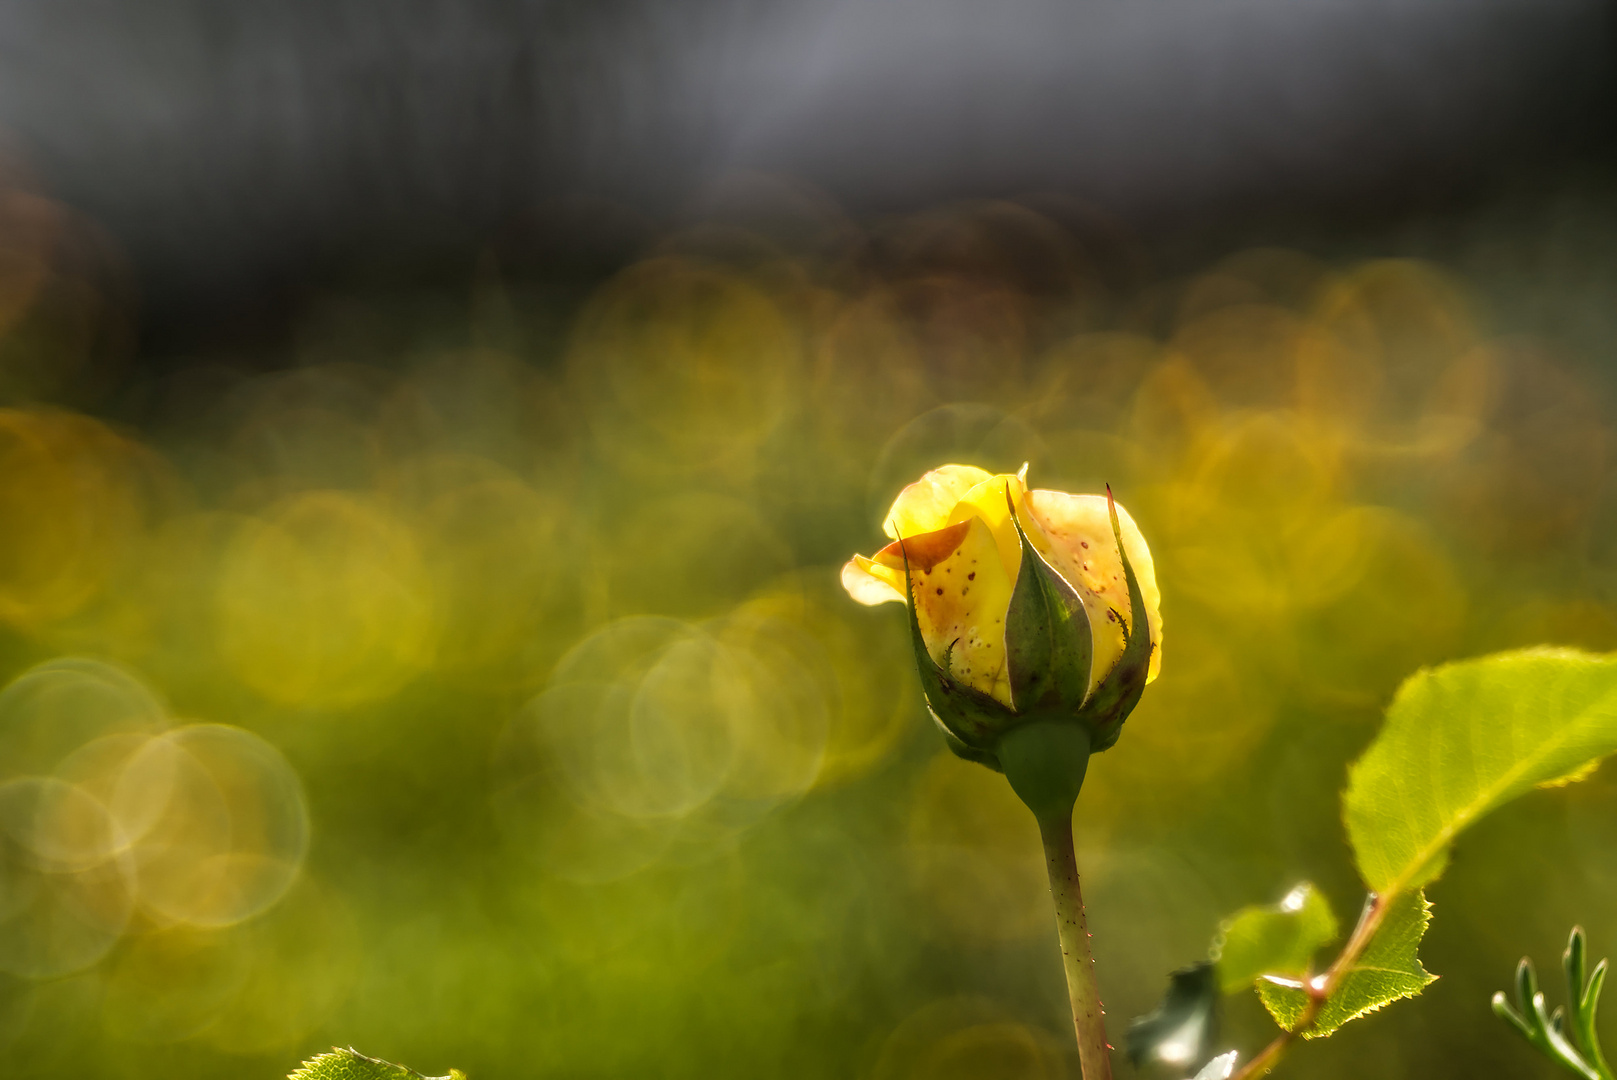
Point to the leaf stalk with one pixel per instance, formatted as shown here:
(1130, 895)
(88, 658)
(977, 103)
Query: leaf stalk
(1320, 990)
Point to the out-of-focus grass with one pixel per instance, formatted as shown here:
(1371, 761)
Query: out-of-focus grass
(494, 703)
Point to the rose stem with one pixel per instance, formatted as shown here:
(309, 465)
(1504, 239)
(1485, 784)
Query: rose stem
(1088, 1018)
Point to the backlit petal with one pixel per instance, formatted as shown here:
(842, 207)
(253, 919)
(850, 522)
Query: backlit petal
(925, 505)
(961, 595)
(871, 583)
(1076, 538)
(987, 501)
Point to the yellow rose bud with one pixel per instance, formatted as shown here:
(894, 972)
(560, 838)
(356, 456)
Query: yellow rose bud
(1024, 605)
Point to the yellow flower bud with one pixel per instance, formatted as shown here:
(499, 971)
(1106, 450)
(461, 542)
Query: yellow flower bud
(1025, 605)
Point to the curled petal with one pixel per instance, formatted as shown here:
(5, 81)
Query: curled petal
(991, 500)
(1075, 535)
(871, 583)
(925, 505)
(961, 595)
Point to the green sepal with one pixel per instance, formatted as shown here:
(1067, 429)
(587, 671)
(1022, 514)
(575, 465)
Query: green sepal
(972, 721)
(1048, 645)
(1120, 690)
(961, 750)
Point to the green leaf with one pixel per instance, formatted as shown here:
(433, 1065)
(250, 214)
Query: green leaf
(347, 1064)
(1464, 738)
(1048, 644)
(1386, 971)
(1279, 939)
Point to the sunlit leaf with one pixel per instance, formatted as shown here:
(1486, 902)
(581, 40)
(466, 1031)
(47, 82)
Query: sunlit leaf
(343, 1064)
(1464, 738)
(1387, 970)
(1278, 939)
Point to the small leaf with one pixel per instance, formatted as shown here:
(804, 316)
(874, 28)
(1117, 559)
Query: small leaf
(1591, 994)
(1549, 1034)
(348, 1064)
(1279, 939)
(1178, 1031)
(1386, 971)
(1048, 643)
(1464, 738)
(1574, 962)
(1502, 1009)
(1526, 983)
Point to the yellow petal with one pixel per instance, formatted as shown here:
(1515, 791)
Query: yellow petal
(961, 595)
(924, 506)
(987, 501)
(1076, 537)
(871, 583)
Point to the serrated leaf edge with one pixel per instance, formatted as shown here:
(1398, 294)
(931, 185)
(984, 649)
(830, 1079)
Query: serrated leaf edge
(306, 1070)
(1436, 852)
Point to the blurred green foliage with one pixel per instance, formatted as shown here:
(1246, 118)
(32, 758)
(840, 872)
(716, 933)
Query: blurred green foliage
(1276, 939)
(467, 678)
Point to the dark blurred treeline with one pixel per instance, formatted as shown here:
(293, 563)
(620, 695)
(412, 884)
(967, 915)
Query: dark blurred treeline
(238, 152)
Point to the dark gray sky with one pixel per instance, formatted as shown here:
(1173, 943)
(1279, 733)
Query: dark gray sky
(231, 142)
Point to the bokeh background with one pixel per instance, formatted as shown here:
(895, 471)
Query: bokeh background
(428, 440)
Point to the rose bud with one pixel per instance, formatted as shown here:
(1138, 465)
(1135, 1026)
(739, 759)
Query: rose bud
(1024, 609)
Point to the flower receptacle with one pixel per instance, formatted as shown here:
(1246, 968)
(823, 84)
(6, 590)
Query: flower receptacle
(1045, 761)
